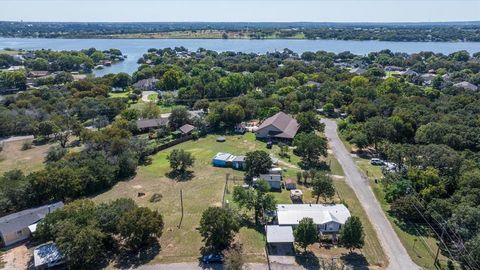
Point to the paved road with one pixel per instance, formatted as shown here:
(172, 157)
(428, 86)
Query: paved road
(398, 256)
(194, 266)
(16, 138)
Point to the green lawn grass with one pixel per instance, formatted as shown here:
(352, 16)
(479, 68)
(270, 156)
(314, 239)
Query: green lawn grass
(12, 157)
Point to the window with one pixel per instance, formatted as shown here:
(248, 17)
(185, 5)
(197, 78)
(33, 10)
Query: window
(19, 233)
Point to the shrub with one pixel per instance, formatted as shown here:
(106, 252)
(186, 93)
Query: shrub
(27, 145)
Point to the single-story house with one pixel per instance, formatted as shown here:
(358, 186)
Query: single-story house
(223, 160)
(47, 255)
(146, 84)
(358, 71)
(290, 184)
(274, 180)
(239, 163)
(329, 218)
(38, 73)
(280, 127)
(466, 86)
(148, 124)
(275, 170)
(186, 129)
(409, 72)
(15, 227)
(279, 239)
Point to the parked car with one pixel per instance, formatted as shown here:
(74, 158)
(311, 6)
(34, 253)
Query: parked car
(376, 161)
(212, 258)
(269, 145)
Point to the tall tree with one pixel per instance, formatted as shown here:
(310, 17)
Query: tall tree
(139, 225)
(178, 117)
(310, 147)
(309, 122)
(306, 233)
(351, 234)
(323, 186)
(218, 227)
(257, 162)
(180, 160)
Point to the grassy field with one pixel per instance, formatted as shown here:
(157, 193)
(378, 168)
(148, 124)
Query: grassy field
(183, 243)
(421, 248)
(12, 157)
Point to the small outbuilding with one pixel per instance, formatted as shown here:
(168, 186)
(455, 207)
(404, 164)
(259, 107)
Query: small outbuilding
(239, 163)
(223, 160)
(47, 256)
(274, 180)
(290, 184)
(296, 195)
(221, 139)
(187, 129)
(280, 239)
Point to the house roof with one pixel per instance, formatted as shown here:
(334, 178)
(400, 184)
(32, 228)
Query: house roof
(358, 71)
(21, 220)
(152, 123)
(279, 234)
(271, 177)
(291, 214)
(283, 122)
(239, 159)
(187, 128)
(466, 85)
(145, 83)
(38, 73)
(224, 156)
(45, 254)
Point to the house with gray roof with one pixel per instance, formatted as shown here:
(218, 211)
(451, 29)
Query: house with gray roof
(146, 84)
(280, 127)
(148, 124)
(186, 129)
(358, 71)
(466, 86)
(19, 226)
(47, 256)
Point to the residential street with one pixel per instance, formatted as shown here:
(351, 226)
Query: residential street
(398, 256)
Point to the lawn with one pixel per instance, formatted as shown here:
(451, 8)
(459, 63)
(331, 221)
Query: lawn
(12, 157)
(203, 190)
(206, 189)
(421, 248)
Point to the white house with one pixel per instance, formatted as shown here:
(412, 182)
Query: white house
(328, 217)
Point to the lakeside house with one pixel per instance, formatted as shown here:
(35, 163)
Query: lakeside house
(146, 84)
(280, 127)
(20, 226)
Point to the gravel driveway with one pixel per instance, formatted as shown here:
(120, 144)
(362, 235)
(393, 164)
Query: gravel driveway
(398, 256)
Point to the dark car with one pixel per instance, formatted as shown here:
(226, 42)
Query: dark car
(269, 145)
(212, 258)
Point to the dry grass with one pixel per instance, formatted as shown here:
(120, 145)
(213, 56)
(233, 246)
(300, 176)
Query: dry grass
(12, 157)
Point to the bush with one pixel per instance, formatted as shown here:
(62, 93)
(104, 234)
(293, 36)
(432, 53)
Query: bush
(156, 197)
(55, 153)
(27, 145)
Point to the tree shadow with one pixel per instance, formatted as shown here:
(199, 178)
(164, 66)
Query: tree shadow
(180, 175)
(308, 260)
(126, 259)
(356, 260)
(410, 227)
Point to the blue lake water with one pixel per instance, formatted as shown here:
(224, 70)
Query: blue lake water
(135, 48)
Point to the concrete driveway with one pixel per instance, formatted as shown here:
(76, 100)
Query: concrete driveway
(397, 254)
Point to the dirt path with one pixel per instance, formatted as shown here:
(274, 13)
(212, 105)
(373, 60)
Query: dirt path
(395, 251)
(16, 258)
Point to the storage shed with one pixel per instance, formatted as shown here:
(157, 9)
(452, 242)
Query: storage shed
(222, 160)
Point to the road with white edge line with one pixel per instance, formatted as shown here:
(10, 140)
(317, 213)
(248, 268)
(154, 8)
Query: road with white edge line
(397, 254)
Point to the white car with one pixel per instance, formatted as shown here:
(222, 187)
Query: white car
(376, 161)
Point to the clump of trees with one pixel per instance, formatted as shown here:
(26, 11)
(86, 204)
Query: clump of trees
(256, 163)
(218, 227)
(82, 224)
(256, 199)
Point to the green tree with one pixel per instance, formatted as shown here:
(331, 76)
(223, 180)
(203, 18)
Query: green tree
(309, 122)
(121, 80)
(139, 225)
(82, 246)
(233, 114)
(257, 162)
(310, 147)
(351, 234)
(150, 111)
(109, 215)
(178, 117)
(306, 233)
(257, 199)
(328, 108)
(323, 186)
(180, 160)
(171, 80)
(218, 227)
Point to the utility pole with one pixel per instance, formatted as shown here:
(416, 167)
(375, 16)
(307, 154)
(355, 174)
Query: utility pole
(181, 205)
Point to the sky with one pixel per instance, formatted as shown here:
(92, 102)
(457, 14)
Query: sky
(240, 10)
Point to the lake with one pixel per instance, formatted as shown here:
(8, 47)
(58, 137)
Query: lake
(135, 48)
